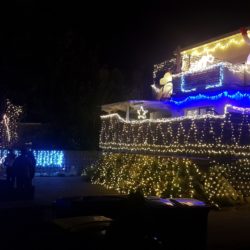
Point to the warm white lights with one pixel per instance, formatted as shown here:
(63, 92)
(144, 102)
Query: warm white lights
(202, 63)
(8, 127)
(197, 135)
(142, 114)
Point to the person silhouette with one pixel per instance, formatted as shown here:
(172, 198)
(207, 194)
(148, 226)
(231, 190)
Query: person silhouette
(8, 163)
(32, 161)
(23, 172)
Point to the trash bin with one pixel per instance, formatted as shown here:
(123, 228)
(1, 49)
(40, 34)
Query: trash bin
(180, 223)
(151, 223)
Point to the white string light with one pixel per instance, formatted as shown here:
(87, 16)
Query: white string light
(142, 114)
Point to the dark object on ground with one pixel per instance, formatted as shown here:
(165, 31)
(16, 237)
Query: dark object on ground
(150, 223)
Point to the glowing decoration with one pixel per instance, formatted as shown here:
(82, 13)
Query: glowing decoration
(142, 114)
(201, 57)
(202, 63)
(164, 120)
(239, 109)
(225, 94)
(167, 87)
(8, 125)
(169, 177)
(245, 35)
(174, 177)
(152, 154)
(44, 158)
(212, 77)
(221, 44)
(247, 41)
(173, 119)
(201, 135)
(168, 65)
(49, 158)
(220, 82)
(6, 121)
(200, 74)
(166, 81)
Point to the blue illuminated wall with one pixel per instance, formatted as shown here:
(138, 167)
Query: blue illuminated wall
(44, 158)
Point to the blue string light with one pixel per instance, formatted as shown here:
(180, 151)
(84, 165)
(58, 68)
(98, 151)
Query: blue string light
(44, 158)
(183, 83)
(225, 94)
(221, 79)
(209, 86)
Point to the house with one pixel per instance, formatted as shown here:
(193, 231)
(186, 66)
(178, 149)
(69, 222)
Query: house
(193, 140)
(202, 102)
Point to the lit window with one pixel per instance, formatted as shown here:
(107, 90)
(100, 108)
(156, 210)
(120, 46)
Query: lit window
(192, 112)
(200, 111)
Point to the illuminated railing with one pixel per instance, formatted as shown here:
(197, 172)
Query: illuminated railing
(227, 134)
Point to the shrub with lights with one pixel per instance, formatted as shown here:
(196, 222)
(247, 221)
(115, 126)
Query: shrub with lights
(219, 184)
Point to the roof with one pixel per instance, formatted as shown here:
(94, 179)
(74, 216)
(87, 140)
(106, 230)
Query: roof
(134, 105)
(221, 38)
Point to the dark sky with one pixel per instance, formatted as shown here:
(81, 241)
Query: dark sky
(54, 46)
(125, 33)
(34, 35)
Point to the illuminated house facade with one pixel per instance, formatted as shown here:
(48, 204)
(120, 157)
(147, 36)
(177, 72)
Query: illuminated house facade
(202, 104)
(211, 76)
(193, 140)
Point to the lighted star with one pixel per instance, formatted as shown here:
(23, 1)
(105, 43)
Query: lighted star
(142, 113)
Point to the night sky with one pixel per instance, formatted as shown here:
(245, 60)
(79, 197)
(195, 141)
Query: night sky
(61, 61)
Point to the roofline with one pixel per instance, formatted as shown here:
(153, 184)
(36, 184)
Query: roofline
(124, 102)
(212, 40)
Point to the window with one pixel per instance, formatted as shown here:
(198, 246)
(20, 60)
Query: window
(199, 111)
(192, 112)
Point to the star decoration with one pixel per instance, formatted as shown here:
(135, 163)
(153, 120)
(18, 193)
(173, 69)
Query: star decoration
(142, 113)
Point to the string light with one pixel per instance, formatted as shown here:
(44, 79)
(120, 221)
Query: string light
(238, 96)
(201, 135)
(6, 122)
(213, 76)
(124, 166)
(153, 175)
(202, 63)
(220, 44)
(142, 114)
(8, 125)
(206, 135)
(173, 177)
(44, 158)
(210, 77)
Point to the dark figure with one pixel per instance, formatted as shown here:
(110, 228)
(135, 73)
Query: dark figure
(32, 160)
(8, 163)
(23, 171)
